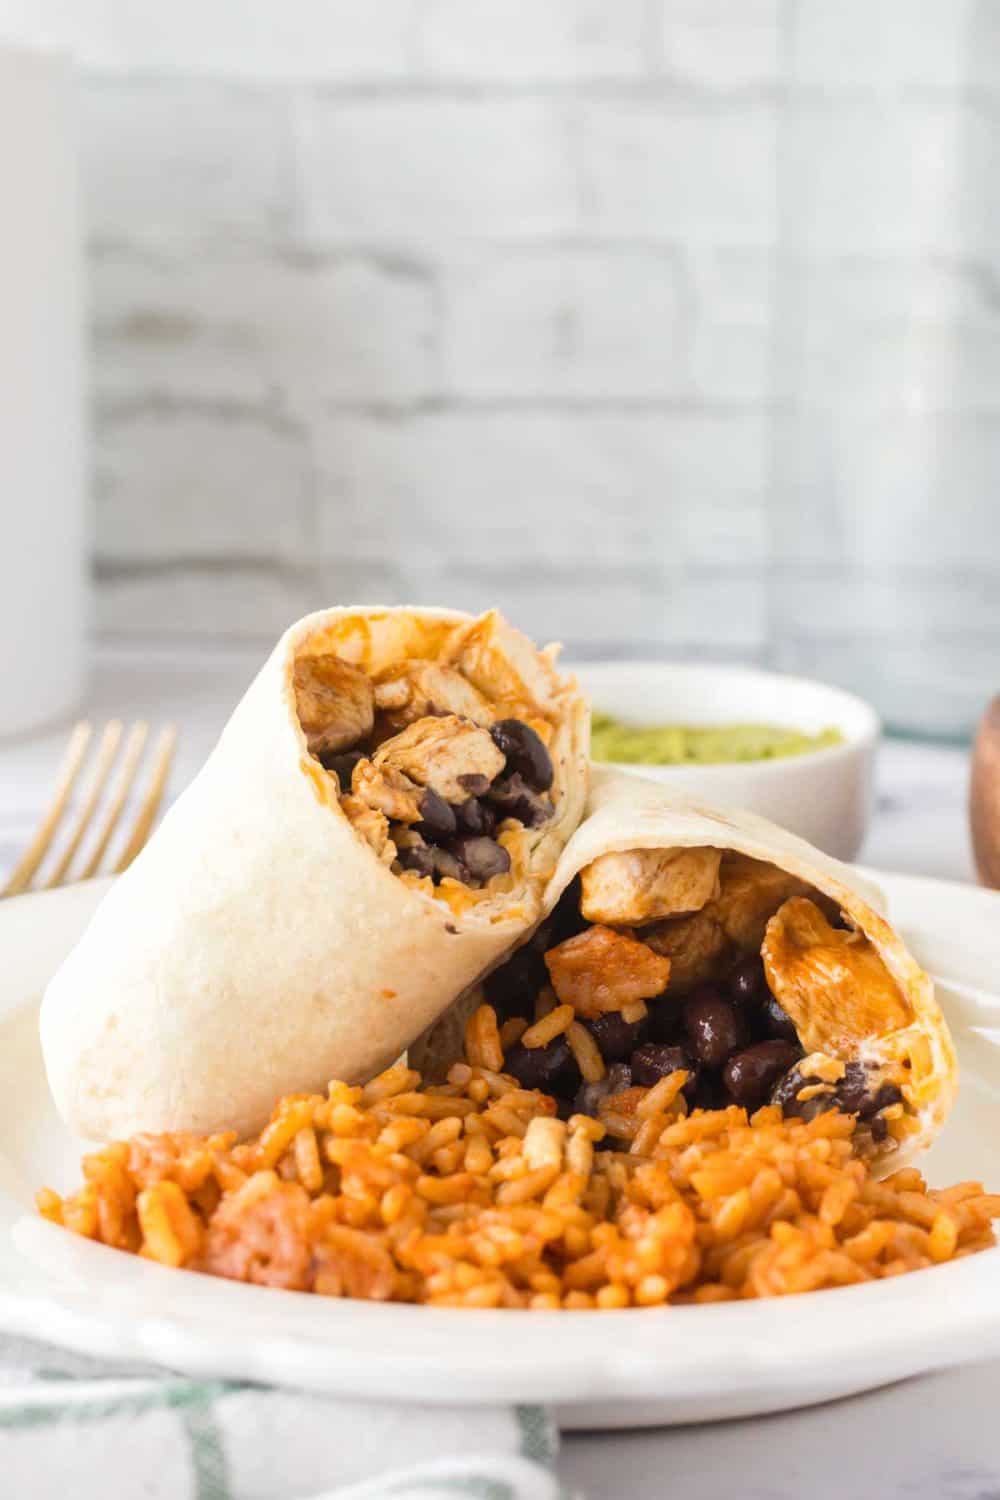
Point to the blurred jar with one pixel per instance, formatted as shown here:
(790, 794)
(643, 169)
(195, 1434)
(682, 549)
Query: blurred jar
(885, 510)
(43, 553)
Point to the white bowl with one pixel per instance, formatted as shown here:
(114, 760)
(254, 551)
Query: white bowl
(825, 796)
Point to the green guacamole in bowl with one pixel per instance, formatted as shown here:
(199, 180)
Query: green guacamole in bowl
(700, 745)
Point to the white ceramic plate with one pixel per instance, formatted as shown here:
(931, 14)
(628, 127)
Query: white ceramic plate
(825, 796)
(634, 1368)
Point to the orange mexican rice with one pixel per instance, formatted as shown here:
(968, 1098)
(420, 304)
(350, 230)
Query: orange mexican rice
(474, 1194)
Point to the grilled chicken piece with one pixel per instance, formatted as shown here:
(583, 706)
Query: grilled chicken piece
(602, 970)
(388, 791)
(751, 893)
(643, 885)
(830, 981)
(455, 759)
(504, 664)
(733, 923)
(696, 947)
(335, 702)
(372, 825)
(419, 689)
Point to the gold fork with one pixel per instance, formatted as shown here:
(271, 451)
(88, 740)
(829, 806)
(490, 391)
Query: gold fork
(66, 782)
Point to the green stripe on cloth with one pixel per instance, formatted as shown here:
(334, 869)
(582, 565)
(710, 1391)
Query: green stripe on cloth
(176, 1396)
(217, 1439)
(208, 1458)
(473, 1486)
(536, 1433)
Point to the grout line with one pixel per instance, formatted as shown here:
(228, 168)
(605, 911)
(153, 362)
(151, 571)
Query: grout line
(723, 97)
(113, 410)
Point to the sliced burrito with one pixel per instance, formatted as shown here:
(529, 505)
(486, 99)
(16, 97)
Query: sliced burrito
(686, 939)
(374, 829)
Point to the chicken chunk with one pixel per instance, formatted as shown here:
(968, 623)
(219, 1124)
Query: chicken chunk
(419, 689)
(448, 755)
(387, 790)
(335, 702)
(643, 885)
(751, 892)
(696, 946)
(504, 664)
(601, 970)
(831, 982)
(732, 923)
(371, 825)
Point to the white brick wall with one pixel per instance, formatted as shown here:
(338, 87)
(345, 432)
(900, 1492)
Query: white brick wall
(474, 300)
(251, 324)
(523, 40)
(936, 44)
(418, 168)
(184, 162)
(221, 485)
(682, 171)
(718, 43)
(543, 323)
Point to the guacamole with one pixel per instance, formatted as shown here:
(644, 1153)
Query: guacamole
(700, 745)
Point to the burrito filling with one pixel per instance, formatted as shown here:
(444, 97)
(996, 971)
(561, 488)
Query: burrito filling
(440, 762)
(725, 973)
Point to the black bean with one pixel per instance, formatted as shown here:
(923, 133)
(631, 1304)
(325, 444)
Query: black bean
(543, 938)
(785, 1093)
(446, 864)
(438, 818)
(880, 1129)
(710, 1092)
(474, 782)
(746, 981)
(887, 1094)
(777, 1022)
(548, 1068)
(714, 1028)
(512, 988)
(750, 1075)
(859, 1093)
(616, 1038)
(615, 1081)
(665, 1013)
(651, 1062)
(343, 763)
(482, 857)
(566, 921)
(476, 817)
(525, 752)
(852, 1090)
(514, 798)
(417, 857)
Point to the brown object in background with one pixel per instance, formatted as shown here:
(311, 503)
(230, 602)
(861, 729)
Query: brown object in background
(984, 796)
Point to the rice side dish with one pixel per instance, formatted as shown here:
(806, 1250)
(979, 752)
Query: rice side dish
(473, 1193)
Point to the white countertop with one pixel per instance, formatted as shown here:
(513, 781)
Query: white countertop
(936, 1438)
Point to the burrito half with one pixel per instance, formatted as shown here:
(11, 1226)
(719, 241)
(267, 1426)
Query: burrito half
(374, 829)
(686, 940)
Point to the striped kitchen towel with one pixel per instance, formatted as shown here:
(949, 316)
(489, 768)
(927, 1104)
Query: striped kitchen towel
(71, 1425)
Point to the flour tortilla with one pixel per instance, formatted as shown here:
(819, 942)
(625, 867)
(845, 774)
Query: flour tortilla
(257, 947)
(625, 812)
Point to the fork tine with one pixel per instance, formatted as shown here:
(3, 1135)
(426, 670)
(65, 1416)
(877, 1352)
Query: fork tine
(134, 745)
(32, 857)
(108, 749)
(154, 796)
